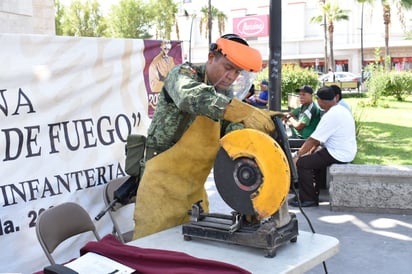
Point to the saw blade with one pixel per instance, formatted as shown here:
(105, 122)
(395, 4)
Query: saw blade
(236, 181)
(251, 173)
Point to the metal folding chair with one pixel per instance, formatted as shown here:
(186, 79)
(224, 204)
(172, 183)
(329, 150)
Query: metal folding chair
(114, 211)
(58, 223)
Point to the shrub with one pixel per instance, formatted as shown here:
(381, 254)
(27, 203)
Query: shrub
(399, 84)
(382, 83)
(358, 116)
(376, 84)
(293, 77)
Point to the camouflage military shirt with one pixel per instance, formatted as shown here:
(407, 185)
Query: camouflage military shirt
(184, 93)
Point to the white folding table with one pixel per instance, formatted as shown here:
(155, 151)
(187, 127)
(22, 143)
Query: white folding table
(308, 251)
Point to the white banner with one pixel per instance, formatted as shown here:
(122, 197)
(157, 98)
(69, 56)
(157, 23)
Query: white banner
(66, 107)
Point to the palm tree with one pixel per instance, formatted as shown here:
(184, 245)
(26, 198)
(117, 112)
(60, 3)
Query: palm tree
(215, 14)
(386, 6)
(331, 13)
(386, 21)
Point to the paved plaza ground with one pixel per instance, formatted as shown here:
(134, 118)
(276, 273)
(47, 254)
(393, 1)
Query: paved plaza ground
(369, 242)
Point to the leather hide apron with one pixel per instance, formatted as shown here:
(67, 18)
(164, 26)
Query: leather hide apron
(173, 180)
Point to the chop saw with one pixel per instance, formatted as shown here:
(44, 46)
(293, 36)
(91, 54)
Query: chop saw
(252, 172)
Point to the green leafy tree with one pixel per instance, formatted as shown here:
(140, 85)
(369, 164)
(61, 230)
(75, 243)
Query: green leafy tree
(130, 19)
(58, 17)
(215, 15)
(165, 18)
(332, 13)
(83, 19)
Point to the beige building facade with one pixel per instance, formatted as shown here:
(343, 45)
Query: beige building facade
(27, 16)
(302, 41)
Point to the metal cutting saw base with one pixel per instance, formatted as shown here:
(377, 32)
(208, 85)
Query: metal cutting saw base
(235, 229)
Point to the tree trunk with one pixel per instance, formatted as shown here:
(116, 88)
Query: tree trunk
(177, 30)
(325, 32)
(209, 21)
(332, 59)
(387, 21)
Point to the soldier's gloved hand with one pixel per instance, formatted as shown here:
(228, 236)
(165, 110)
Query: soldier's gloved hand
(251, 117)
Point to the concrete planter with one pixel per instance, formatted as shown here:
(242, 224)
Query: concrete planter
(370, 188)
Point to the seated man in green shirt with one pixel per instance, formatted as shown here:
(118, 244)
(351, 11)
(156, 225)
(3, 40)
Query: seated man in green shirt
(304, 119)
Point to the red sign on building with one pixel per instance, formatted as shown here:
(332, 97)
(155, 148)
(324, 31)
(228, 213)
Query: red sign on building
(251, 26)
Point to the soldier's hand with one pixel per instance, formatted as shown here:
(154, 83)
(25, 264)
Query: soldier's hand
(251, 117)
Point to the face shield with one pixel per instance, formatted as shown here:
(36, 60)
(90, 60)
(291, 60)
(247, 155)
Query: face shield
(241, 86)
(245, 57)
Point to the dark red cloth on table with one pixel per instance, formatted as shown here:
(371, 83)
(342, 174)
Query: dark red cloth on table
(148, 260)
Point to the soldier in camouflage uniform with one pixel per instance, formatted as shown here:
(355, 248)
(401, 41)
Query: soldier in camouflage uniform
(183, 138)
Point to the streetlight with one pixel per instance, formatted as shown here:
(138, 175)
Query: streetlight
(190, 37)
(190, 34)
(325, 41)
(362, 57)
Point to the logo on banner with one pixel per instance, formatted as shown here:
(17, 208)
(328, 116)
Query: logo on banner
(251, 26)
(160, 57)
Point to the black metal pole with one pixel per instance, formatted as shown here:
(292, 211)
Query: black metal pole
(275, 55)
